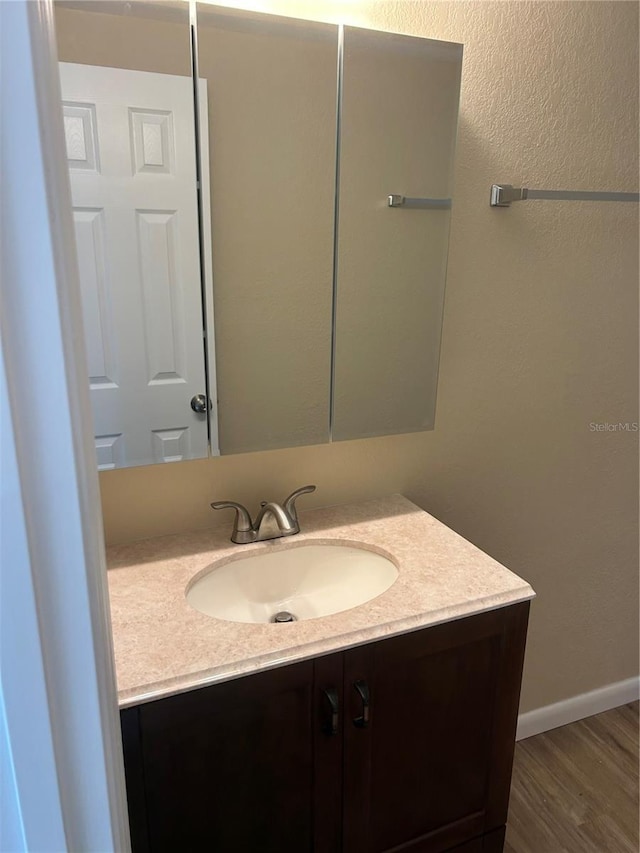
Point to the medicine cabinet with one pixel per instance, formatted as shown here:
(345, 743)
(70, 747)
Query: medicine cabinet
(262, 245)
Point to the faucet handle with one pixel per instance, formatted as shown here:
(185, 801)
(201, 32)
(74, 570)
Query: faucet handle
(289, 504)
(243, 519)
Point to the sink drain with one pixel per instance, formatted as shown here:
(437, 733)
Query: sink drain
(283, 616)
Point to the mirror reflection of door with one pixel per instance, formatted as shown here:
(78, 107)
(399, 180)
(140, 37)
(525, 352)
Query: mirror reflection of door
(130, 142)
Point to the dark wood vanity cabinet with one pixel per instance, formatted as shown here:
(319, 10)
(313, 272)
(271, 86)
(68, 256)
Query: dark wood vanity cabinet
(403, 744)
(228, 767)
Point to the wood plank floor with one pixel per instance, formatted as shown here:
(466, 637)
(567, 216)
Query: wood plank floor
(575, 789)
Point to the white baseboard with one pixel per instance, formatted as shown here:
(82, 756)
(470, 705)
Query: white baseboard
(578, 707)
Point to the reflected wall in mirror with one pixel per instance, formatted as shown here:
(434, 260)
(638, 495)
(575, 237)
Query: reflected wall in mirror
(127, 95)
(398, 128)
(272, 140)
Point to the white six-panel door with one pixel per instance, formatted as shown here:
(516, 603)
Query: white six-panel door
(130, 143)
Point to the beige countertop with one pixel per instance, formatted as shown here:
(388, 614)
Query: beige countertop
(164, 646)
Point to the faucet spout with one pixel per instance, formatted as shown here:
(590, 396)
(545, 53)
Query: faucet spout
(273, 515)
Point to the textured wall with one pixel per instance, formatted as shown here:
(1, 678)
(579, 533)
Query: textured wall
(540, 340)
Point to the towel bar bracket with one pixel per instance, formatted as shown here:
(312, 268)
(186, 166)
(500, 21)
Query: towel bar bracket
(418, 203)
(503, 194)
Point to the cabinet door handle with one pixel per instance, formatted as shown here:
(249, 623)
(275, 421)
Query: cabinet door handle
(363, 690)
(331, 727)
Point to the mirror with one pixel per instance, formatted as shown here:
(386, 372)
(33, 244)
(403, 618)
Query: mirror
(321, 304)
(398, 124)
(127, 93)
(328, 302)
(271, 86)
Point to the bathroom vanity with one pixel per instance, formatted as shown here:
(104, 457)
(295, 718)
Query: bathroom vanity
(388, 726)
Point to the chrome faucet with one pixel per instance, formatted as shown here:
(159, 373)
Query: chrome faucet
(272, 522)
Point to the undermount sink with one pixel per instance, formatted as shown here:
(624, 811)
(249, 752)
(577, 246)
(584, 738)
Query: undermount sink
(304, 581)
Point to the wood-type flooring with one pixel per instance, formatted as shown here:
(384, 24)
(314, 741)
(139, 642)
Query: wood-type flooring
(575, 788)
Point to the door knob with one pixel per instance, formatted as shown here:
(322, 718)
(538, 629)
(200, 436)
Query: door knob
(199, 404)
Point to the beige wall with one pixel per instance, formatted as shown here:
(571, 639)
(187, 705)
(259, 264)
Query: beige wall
(540, 340)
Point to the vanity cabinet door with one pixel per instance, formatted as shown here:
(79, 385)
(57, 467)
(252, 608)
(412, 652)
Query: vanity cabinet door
(230, 767)
(428, 762)
(401, 744)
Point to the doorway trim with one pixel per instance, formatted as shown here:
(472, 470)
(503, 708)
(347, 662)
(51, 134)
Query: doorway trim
(59, 701)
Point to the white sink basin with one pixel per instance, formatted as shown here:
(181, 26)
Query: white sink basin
(307, 581)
